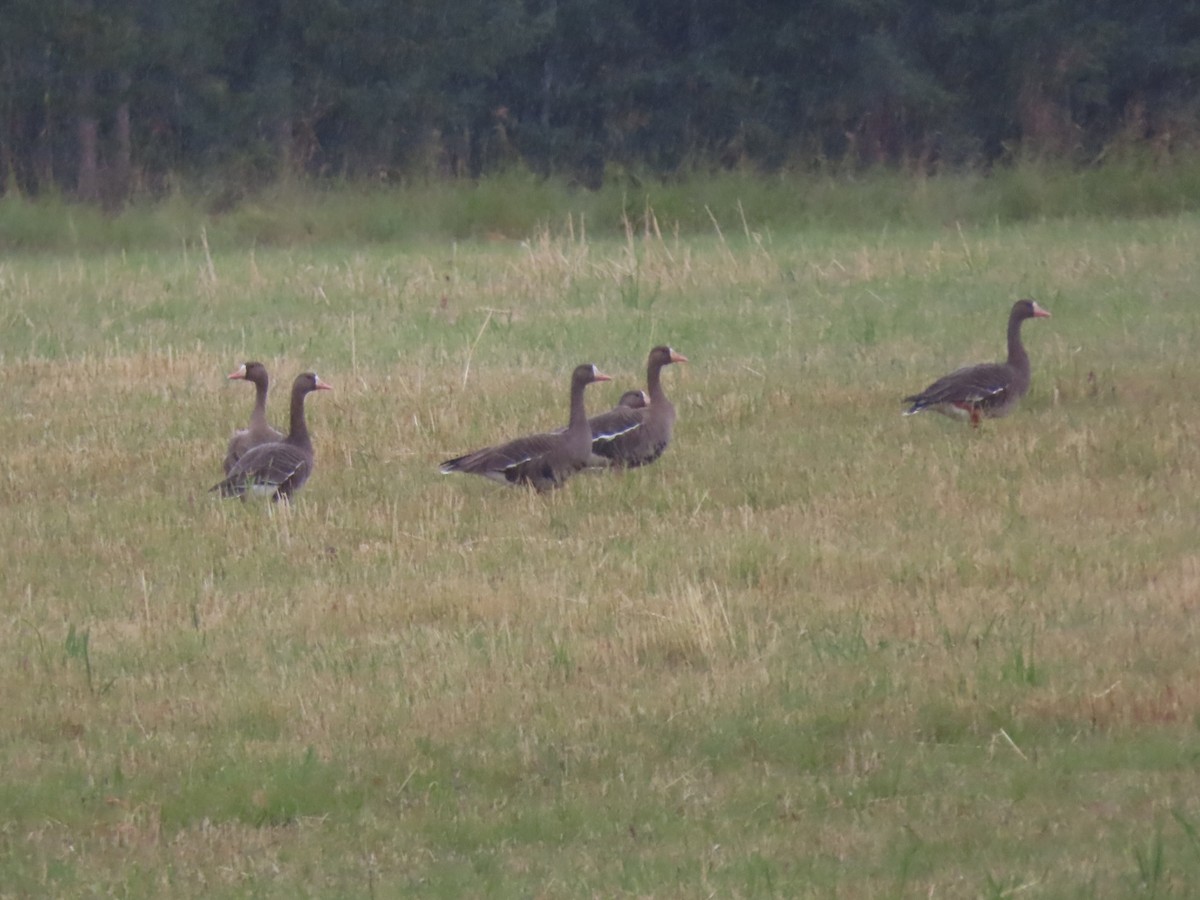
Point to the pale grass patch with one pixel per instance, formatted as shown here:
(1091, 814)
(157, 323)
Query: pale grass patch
(690, 630)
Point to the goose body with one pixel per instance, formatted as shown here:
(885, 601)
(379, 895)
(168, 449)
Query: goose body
(991, 390)
(543, 461)
(259, 431)
(278, 468)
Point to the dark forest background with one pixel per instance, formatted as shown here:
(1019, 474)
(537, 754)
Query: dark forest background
(104, 100)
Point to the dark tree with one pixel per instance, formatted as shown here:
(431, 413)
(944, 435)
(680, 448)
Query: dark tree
(100, 98)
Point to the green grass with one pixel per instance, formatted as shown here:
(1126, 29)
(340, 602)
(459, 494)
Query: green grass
(818, 649)
(514, 205)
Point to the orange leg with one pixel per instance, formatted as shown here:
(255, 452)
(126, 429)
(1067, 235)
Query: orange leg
(973, 411)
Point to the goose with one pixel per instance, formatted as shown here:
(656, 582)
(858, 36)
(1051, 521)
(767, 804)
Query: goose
(990, 390)
(259, 432)
(630, 437)
(544, 461)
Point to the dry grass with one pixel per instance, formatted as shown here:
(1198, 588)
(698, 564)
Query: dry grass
(818, 649)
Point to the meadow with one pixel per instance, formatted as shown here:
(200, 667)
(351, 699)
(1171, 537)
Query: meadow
(818, 649)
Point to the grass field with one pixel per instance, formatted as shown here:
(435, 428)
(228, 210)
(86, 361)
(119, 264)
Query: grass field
(818, 649)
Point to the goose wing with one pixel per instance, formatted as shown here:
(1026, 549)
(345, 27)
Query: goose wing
(503, 462)
(969, 385)
(612, 431)
(274, 467)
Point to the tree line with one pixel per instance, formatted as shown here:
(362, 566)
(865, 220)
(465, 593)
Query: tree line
(102, 99)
